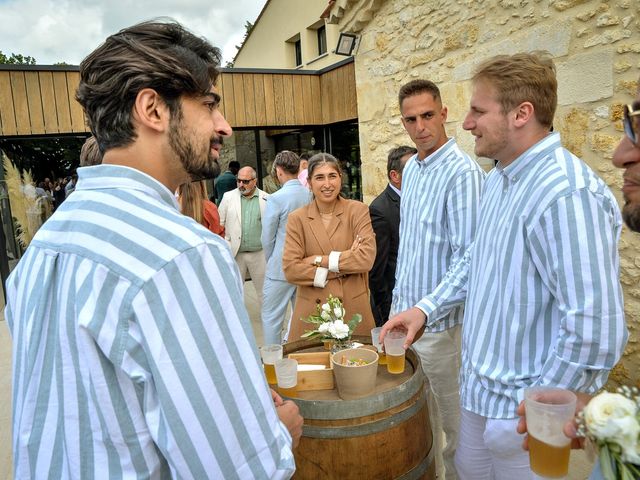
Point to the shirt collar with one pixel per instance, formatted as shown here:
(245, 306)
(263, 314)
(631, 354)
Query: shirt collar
(397, 190)
(293, 181)
(255, 193)
(515, 169)
(105, 176)
(435, 156)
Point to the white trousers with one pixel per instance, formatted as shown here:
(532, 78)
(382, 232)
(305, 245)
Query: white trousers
(490, 449)
(255, 264)
(277, 296)
(440, 358)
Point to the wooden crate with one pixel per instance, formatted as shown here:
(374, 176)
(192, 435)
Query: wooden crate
(314, 379)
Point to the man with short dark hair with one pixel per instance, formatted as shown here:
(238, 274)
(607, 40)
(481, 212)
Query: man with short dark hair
(226, 182)
(543, 302)
(278, 293)
(439, 208)
(385, 220)
(133, 353)
(241, 211)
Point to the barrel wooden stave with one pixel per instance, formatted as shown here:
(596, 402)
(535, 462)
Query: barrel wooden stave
(391, 439)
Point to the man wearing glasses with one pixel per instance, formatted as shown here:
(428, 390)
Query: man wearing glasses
(241, 212)
(627, 156)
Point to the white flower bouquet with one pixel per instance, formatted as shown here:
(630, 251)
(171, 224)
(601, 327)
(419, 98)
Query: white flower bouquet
(611, 421)
(330, 322)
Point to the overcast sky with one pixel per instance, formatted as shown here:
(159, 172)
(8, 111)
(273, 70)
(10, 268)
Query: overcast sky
(55, 31)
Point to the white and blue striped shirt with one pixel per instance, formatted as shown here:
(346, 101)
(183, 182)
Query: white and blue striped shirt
(438, 217)
(544, 303)
(133, 353)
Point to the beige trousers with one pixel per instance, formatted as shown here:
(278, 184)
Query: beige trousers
(440, 357)
(254, 264)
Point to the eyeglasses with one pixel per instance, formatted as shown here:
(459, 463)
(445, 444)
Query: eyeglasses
(245, 182)
(632, 124)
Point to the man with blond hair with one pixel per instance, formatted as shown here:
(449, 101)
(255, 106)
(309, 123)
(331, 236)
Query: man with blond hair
(543, 299)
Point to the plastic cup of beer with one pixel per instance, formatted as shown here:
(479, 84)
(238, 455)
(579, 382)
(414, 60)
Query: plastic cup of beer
(270, 354)
(287, 375)
(547, 410)
(394, 348)
(375, 341)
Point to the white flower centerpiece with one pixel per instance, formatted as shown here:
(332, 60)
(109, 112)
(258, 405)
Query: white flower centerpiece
(331, 326)
(611, 421)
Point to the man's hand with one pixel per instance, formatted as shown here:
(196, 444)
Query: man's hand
(277, 399)
(410, 321)
(289, 414)
(570, 428)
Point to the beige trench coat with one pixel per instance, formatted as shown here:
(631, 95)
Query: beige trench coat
(306, 238)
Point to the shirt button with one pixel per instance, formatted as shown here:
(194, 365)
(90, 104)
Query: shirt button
(318, 301)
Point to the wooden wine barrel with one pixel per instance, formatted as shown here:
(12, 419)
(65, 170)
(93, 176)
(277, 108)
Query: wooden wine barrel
(384, 436)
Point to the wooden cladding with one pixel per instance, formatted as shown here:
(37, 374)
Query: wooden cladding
(36, 102)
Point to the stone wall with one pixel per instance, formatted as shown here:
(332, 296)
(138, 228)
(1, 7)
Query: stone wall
(595, 45)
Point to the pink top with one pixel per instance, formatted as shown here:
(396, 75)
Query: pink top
(302, 176)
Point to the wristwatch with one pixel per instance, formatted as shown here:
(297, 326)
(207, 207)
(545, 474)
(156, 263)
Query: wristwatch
(318, 261)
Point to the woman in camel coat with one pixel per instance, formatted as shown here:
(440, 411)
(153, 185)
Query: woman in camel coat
(329, 249)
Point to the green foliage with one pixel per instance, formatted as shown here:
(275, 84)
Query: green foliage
(248, 26)
(51, 157)
(16, 59)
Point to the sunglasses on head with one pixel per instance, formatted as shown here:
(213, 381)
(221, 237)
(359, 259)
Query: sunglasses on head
(632, 123)
(245, 182)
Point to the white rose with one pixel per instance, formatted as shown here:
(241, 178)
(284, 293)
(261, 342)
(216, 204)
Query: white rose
(324, 327)
(338, 312)
(325, 315)
(326, 307)
(612, 417)
(339, 330)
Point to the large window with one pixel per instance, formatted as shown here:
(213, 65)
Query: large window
(298, 49)
(322, 40)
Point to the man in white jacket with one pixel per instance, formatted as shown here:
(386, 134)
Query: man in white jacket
(241, 212)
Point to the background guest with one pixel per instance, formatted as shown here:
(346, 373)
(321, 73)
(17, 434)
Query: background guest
(329, 249)
(278, 293)
(192, 197)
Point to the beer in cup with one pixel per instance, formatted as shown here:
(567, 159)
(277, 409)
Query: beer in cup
(270, 354)
(547, 410)
(287, 377)
(394, 349)
(375, 336)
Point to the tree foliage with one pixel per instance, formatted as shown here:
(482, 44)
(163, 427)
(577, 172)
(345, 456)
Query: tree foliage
(16, 59)
(51, 157)
(248, 26)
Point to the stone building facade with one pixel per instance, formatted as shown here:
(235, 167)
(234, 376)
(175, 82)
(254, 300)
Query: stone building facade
(596, 48)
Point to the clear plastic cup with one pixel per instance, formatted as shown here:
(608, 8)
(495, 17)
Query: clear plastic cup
(270, 354)
(394, 348)
(375, 341)
(287, 377)
(547, 410)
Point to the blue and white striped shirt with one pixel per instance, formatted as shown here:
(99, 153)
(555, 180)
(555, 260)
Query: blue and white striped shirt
(438, 217)
(133, 353)
(544, 303)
